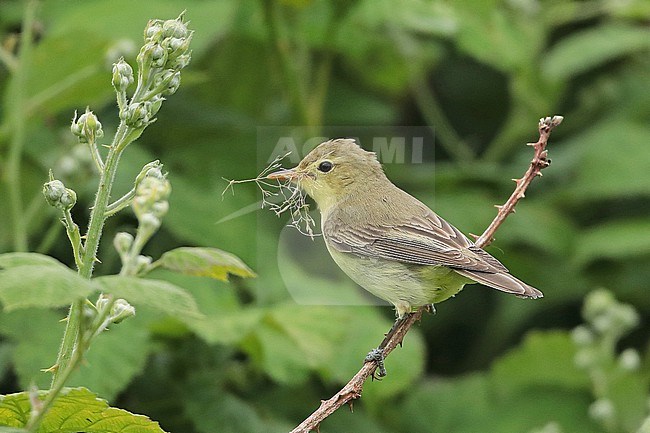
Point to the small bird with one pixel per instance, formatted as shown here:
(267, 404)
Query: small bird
(386, 240)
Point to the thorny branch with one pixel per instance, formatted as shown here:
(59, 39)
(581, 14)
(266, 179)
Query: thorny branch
(352, 390)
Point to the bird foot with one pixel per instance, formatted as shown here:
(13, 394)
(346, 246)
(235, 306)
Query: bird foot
(377, 356)
(430, 308)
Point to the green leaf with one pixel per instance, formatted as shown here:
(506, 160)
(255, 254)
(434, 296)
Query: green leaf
(205, 262)
(593, 47)
(41, 286)
(229, 327)
(70, 73)
(115, 357)
(470, 404)
(124, 19)
(506, 39)
(157, 294)
(607, 162)
(35, 335)
(618, 240)
(548, 355)
(75, 410)
(10, 260)
(228, 413)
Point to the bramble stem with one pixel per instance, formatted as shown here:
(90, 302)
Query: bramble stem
(95, 226)
(123, 137)
(539, 162)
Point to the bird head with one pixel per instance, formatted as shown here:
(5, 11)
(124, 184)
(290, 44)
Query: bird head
(333, 170)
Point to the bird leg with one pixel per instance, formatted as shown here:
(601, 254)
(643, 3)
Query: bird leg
(377, 355)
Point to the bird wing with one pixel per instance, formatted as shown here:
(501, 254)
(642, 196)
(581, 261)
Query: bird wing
(426, 240)
(422, 240)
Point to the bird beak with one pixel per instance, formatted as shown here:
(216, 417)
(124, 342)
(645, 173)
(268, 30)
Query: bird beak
(287, 174)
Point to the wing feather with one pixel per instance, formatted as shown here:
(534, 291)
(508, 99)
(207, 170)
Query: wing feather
(427, 240)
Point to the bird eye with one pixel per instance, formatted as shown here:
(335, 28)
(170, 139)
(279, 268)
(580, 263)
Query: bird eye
(325, 166)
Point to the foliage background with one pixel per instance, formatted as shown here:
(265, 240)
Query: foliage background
(480, 74)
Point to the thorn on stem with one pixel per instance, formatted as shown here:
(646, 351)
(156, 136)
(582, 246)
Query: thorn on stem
(51, 369)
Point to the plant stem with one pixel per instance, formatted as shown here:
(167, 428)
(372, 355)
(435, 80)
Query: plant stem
(18, 124)
(76, 356)
(123, 137)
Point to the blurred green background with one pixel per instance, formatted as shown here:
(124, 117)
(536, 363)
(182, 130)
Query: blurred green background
(475, 76)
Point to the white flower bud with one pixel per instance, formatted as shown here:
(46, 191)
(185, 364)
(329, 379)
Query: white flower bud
(122, 75)
(102, 301)
(57, 195)
(582, 336)
(629, 360)
(121, 310)
(153, 32)
(122, 242)
(88, 128)
(602, 410)
(149, 222)
(175, 28)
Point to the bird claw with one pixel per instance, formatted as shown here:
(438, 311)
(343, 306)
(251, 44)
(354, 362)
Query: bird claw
(377, 356)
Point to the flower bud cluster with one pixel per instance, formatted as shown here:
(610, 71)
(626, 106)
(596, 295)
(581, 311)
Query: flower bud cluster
(122, 75)
(119, 310)
(87, 127)
(607, 320)
(150, 202)
(57, 195)
(140, 114)
(607, 316)
(165, 52)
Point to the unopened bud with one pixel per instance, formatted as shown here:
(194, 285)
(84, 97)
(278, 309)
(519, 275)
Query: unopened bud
(57, 195)
(158, 56)
(122, 75)
(175, 28)
(597, 303)
(149, 222)
(102, 302)
(156, 104)
(137, 114)
(602, 410)
(160, 208)
(629, 360)
(173, 84)
(152, 55)
(87, 127)
(121, 310)
(179, 62)
(153, 169)
(582, 336)
(122, 242)
(142, 264)
(153, 32)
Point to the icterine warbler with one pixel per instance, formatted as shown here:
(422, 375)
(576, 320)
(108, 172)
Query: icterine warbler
(386, 240)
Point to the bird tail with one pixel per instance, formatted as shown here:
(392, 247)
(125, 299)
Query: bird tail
(504, 282)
